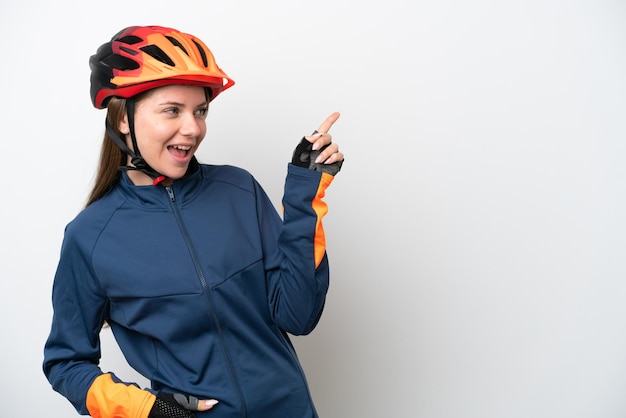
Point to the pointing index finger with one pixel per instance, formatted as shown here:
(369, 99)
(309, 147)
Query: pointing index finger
(325, 126)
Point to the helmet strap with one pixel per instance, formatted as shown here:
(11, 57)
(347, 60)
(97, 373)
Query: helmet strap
(135, 157)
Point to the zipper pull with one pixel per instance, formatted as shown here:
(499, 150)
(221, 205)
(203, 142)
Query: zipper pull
(170, 192)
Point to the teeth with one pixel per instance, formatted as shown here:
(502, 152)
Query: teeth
(182, 147)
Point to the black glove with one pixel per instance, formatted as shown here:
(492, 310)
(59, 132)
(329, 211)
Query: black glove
(304, 156)
(168, 405)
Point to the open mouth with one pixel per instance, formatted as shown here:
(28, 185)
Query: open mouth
(180, 151)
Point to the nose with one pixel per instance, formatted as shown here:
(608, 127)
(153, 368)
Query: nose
(191, 125)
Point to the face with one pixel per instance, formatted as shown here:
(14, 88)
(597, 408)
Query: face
(170, 124)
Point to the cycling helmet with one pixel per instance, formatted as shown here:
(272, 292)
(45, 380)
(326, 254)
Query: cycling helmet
(140, 58)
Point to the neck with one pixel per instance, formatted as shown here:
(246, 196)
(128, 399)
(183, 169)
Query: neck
(142, 179)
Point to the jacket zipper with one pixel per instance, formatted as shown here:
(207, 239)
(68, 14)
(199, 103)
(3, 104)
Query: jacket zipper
(207, 292)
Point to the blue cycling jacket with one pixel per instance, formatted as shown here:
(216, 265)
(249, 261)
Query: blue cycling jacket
(201, 282)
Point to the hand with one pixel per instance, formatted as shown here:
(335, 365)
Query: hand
(168, 405)
(322, 140)
(317, 151)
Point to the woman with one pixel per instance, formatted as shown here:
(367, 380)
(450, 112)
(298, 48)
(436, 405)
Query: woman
(196, 273)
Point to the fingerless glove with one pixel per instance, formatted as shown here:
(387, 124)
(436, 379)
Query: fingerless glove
(166, 406)
(304, 156)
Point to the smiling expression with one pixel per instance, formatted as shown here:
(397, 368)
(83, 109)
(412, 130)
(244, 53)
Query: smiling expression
(170, 124)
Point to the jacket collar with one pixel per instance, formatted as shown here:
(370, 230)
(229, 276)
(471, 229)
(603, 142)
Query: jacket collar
(157, 197)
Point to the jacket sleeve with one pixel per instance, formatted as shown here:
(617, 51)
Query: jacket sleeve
(296, 260)
(72, 350)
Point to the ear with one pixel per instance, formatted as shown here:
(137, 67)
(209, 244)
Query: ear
(123, 126)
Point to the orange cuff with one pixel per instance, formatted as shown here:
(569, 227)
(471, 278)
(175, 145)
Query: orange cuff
(107, 398)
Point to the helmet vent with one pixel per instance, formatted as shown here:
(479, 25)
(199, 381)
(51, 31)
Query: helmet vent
(175, 42)
(130, 39)
(158, 54)
(203, 53)
(119, 62)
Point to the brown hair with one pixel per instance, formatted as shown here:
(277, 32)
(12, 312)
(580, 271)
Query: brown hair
(111, 156)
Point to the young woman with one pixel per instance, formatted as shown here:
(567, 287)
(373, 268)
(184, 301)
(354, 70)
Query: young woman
(198, 276)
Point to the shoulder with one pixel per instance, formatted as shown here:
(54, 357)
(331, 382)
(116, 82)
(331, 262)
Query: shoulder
(91, 220)
(229, 175)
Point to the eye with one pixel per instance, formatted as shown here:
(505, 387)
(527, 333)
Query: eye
(173, 110)
(203, 111)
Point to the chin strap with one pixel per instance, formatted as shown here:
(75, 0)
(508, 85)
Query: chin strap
(137, 161)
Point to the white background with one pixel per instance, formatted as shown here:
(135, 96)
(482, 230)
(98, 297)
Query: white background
(476, 233)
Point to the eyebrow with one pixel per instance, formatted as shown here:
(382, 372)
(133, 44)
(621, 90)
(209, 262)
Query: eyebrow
(174, 103)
